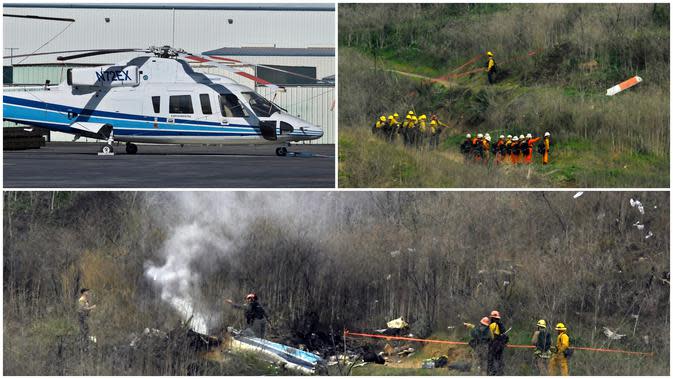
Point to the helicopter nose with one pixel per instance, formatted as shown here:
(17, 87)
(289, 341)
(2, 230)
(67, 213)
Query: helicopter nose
(313, 131)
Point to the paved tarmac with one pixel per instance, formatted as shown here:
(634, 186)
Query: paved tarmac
(77, 165)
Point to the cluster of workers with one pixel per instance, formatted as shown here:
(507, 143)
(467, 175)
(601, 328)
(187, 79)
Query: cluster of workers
(510, 149)
(414, 130)
(489, 339)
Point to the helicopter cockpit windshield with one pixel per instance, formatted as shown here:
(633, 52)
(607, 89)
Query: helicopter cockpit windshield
(261, 106)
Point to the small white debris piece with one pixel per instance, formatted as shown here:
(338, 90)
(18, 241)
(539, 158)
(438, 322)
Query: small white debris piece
(389, 276)
(640, 227)
(612, 335)
(578, 195)
(450, 327)
(411, 250)
(649, 234)
(655, 207)
(505, 283)
(600, 216)
(637, 204)
(394, 253)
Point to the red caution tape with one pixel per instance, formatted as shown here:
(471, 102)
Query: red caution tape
(454, 75)
(444, 342)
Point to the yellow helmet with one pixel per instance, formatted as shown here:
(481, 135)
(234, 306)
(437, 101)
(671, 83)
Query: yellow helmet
(560, 326)
(396, 115)
(391, 117)
(423, 117)
(408, 117)
(489, 54)
(542, 323)
(382, 118)
(411, 113)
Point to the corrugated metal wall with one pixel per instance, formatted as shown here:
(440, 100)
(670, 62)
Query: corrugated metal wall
(195, 30)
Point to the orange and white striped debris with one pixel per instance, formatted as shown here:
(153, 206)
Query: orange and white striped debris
(624, 85)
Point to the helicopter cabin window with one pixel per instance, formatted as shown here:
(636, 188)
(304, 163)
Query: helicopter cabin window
(180, 104)
(205, 103)
(230, 106)
(156, 102)
(261, 106)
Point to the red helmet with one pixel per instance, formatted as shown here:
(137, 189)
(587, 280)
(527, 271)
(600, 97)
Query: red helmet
(251, 296)
(495, 314)
(485, 321)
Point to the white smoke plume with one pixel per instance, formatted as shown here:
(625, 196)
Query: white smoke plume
(205, 226)
(200, 228)
(179, 283)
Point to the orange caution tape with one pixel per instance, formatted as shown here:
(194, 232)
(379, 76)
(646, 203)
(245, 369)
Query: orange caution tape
(382, 336)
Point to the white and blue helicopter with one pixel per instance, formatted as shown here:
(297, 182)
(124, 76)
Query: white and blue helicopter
(157, 98)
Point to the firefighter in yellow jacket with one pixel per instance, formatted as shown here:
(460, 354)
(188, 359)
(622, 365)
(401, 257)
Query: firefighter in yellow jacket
(490, 68)
(559, 360)
(378, 126)
(545, 154)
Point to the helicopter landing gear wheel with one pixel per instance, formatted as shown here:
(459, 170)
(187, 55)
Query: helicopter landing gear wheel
(281, 151)
(131, 148)
(107, 149)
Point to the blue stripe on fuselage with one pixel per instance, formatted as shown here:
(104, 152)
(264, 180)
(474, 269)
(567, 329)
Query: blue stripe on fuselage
(91, 112)
(33, 113)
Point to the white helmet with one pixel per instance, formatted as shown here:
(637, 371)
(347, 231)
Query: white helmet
(515, 138)
(487, 135)
(488, 138)
(529, 135)
(509, 136)
(480, 135)
(546, 134)
(521, 137)
(502, 136)
(468, 135)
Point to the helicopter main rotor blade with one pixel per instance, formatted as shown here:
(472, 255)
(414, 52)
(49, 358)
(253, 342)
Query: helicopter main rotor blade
(98, 52)
(235, 61)
(53, 52)
(39, 17)
(203, 59)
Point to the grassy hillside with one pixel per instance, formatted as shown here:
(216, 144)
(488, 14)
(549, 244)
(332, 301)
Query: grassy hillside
(580, 50)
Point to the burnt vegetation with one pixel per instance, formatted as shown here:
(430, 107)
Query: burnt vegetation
(357, 261)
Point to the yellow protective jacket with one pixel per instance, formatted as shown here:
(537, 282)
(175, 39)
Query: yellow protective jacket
(562, 343)
(495, 330)
(422, 126)
(380, 124)
(490, 65)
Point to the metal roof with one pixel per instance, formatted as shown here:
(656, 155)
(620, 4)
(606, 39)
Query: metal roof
(324, 7)
(273, 52)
